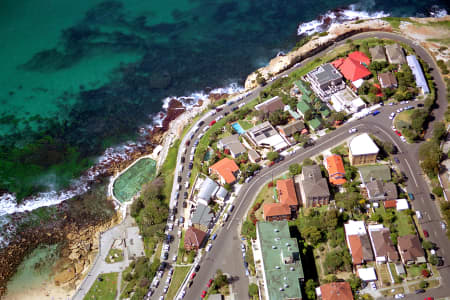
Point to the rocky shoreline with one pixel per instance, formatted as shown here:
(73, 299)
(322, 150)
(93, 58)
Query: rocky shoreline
(335, 33)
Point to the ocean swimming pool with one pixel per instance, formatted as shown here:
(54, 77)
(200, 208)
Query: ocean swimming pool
(236, 126)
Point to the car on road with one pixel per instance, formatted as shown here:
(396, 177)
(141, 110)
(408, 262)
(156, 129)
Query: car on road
(183, 293)
(419, 291)
(399, 296)
(184, 204)
(174, 258)
(213, 237)
(418, 214)
(392, 116)
(210, 282)
(179, 179)
(186, 184)
(192, 275)
(226, 113)
(425, 233)
(403, 139)
(398, 133)
(190, 166)
(208, 248)
(156, 283)
(161, 297)
(443, 225)
(197, 268)
(230, 208)
(203, 294)
(393, 128)
(179, 234)
(396, 160)
(420, 105)
(375, 113)
(181, 220)
(242, 247)
(185, 195)
(219, 109)
(440, 262)
(171, 271)
(411, 196)
(212, 123)
(201, 123)
(166, 288)
(352, 130)
(432, 197)
(373, 285)
(166, 255)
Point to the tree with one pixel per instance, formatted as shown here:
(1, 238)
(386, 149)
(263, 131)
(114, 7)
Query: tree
(438, 191)
(308, 162)
(228, 187)
(312, 235)
(355, 282)
(423, 284)
(427, 245)
(252, 290)
(439, 131)
(310, 289)
(278, 117)
(272, 156)
(295, 169)
(433, 260)
(308, 115)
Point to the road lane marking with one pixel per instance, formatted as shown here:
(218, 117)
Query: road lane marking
(411, 172)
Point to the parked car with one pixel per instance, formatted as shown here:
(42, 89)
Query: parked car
(219, 109)
(192, 275)
(419, 291)
(197, 268)
(212, 123)
(425, 233)
(398, 133)
(210, 282)
(208, 248)
(179, 179)
(432, 197)
(166, 255)
(183, 159)
(214, 236)
(174, 258)
(352, 130)
(166, 288)
(399, 296)
(201, 123)
(396, 160)
(185, 195)
(411, 196)
(375, 113)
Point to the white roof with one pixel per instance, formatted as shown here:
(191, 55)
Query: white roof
(375, 227)
(358, 103)
(355, 228)
(367, 274)
(358, 83)
(402, 204)
(362, 144)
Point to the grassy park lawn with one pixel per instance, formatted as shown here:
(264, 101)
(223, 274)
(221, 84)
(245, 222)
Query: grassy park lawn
(111, 258)
(177, 279)
(168, 169)
(403, 119)
(105, 289)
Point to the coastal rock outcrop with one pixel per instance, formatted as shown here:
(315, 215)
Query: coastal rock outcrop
(336, 33)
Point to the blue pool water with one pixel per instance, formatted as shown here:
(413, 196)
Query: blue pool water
(238, 128)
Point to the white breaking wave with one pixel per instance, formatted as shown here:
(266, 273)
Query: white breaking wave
(323, 22)
(122, 152)
(438, 12)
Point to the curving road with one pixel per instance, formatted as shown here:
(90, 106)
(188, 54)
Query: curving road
(225, 253)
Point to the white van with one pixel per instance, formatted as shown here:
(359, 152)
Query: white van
(225, 217)
(230, 208)
(418, 214)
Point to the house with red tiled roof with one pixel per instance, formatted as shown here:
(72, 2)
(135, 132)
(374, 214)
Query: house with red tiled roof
(193, 238)
(358, 242)
(276, 212)
(335, 290)
(335, 168)
(338, 62)
(353, 70)
(226, 169)
(360, 57)
(287, 204)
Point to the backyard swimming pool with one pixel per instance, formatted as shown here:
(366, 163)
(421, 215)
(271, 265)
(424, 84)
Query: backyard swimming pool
(236, 126)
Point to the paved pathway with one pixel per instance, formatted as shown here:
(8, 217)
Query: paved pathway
(100, 266)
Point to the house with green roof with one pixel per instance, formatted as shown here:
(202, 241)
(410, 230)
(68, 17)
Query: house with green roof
(307, 99)
(302, 87)
(325, 112)
(374, 172)
(294, 114)
(281, 264)
(315, 124)
(303, 108)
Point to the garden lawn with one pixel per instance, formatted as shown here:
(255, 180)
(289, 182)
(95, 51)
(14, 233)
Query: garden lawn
(105, 289)
(177, 279)
(112, 252)
(404, 224)
(383, 274)
(245, 124)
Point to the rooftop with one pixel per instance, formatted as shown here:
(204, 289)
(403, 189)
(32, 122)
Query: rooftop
(421, 82)
(325, 73)
(395, 54)
(360, 57)
(363, 145)
(293, 127)
(194, 237)
(207, 190)
(410, 247)
(271, 105)
(303, 87)
(265, 134)
(377, 53)
(275, 209)
(371, 172)
(226, 167)
(281, 260)
(314, 124)
(303, 107)
(202, 215)
(286, 192)
(367, 274)
(336, 171)
(336, 291)
(353, 70)
(387, 79)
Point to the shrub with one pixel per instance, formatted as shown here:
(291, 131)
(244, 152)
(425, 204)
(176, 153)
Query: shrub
(423, 284)
(425, 274)
(438, 191)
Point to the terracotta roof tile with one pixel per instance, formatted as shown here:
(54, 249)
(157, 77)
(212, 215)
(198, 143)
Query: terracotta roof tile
(352, 70)
(286, 192)
(275, 209)
(336, 291)
(226, 167)
(336, 171)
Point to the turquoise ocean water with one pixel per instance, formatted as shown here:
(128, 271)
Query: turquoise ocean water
(79, 76)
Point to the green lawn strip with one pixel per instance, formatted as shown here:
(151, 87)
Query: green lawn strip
(114, 259)
(177, 279)
(404, 224)
(168, 169)
(413, 270)
(403, 119)
(433, 283)
(105, 289)
(391, 292)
